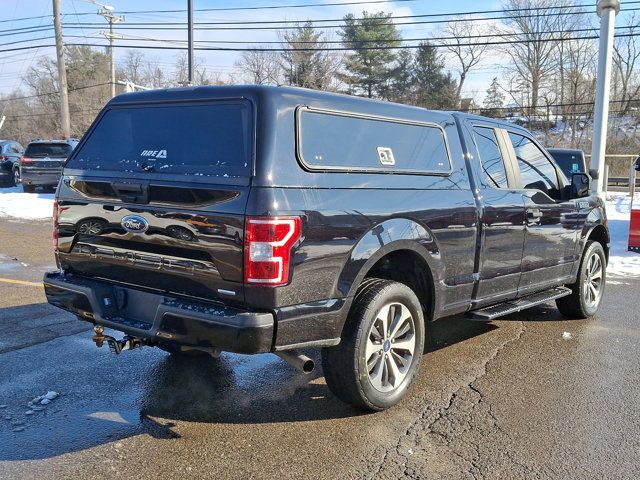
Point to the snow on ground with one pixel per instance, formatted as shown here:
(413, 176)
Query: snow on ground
(621, 261)
(25, 206)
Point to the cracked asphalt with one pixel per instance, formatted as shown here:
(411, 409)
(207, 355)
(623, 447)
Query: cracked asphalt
(515, 398)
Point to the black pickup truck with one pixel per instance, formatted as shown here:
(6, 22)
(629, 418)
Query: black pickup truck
(259, 219)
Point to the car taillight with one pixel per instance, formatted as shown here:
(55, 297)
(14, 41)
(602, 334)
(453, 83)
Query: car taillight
(3, 157)
(24, 160)
(55, 225)
(268, 243)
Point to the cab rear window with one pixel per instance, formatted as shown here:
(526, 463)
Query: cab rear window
(35, 150)
(212, 139)
(348, 142)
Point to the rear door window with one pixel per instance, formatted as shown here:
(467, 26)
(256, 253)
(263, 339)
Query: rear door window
(340, 141)
(493, 170)
(212, 139)
(41, 150)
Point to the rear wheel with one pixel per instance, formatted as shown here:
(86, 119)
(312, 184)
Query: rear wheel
(587, 292)
(28, 188)
(379, 355)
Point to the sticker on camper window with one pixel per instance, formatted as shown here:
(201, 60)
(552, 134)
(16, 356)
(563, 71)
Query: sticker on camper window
(154, 153)
(385, 155)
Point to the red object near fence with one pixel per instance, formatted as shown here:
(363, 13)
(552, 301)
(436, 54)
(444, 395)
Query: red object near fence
(634, 229)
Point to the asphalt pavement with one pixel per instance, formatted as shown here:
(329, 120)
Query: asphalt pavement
(530, 396)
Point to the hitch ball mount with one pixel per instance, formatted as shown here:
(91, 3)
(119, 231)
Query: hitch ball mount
(116, 346)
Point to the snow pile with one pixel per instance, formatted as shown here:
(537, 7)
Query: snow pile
(25, 206)
(621, 261)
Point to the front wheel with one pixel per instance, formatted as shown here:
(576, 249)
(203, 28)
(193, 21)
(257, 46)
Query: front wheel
(586, 293)
(379, 355)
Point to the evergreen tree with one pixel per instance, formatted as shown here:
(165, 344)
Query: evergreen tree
(494, 101)
(433, 87)
(371, 65)
(303, 62)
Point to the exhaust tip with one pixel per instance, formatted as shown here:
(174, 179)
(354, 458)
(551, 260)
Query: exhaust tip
(308, 366)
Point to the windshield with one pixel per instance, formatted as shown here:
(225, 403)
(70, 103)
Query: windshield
(569, 163)
(211, 139)
(58, 150)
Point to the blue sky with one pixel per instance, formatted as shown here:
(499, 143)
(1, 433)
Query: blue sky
(14, 64)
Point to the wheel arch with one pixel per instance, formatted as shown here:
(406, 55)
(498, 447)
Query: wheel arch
(398, 249)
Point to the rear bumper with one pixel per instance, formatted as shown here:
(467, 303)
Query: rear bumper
(37, 177)
(160, 318)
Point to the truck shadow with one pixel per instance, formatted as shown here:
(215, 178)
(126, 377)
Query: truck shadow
(151, 393)
(236, 389)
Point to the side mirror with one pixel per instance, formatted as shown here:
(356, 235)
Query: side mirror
(580, 185)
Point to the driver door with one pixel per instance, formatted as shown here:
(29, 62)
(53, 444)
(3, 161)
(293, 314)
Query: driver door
(551, 232)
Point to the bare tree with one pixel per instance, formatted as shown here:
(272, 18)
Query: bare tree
(466, 52)
(534, 52)
(626, 60)
(259, 67)
(132, 67)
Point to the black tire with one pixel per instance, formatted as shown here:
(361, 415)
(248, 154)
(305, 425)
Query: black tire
(28, 188)
(577, 305)
(345, 367)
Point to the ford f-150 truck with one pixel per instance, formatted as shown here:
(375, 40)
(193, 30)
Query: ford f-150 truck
(258, 219)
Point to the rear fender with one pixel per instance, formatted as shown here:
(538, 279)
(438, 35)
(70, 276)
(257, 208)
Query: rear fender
(386, 237)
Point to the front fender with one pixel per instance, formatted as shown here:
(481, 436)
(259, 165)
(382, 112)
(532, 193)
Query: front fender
(384, 238)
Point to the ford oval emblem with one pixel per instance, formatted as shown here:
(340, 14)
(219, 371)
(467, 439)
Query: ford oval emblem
(134, 224)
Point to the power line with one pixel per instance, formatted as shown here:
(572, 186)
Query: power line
(324, 42)
(332, 49)
(11, 99)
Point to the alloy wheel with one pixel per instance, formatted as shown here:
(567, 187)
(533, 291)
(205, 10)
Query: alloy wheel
(593, 280)
(390, 347)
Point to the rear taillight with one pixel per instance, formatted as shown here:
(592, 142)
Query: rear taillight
(3, 157)
(268, 243)
(24, 160)
(55, 225)
(56, 221)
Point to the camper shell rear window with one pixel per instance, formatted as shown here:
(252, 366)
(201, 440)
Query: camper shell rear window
(201, 139)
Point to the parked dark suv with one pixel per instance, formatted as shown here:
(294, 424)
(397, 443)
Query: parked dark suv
(41, 165)
(10, 153)
(269, 219)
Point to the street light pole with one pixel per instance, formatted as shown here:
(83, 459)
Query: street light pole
(65, 122)
(607, 11)
(190, 40)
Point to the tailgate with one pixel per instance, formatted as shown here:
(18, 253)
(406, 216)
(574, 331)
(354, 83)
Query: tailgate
(193, 247)
(154, 196)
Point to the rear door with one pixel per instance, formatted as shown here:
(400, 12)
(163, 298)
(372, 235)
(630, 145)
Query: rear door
(551, 229)
(502, 219)
(155, 196)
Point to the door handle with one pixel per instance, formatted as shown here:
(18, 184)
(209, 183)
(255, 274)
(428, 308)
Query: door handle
(533, 214)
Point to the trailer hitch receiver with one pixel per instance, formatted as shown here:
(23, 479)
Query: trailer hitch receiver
(116, 346)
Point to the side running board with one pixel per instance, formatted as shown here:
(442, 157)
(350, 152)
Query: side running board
(513, 306)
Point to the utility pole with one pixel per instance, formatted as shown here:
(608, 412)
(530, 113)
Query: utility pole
(107, 12)
(607, 11)
(65, 122)
(190, 40)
